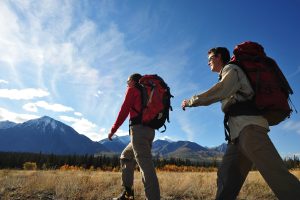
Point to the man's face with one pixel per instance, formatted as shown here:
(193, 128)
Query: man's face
(130, 82)
(215, 62)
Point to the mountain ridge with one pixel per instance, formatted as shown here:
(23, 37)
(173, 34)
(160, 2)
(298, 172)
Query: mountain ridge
(47, 135)
(175, 149)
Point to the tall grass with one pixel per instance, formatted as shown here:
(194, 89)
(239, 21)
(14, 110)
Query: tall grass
(98, 185)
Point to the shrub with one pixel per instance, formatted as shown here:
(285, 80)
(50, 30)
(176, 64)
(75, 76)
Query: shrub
(29, 166)
(66, 167)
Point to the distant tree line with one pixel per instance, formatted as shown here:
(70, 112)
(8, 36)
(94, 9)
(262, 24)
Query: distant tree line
(292, 162)
(9, 160)
(16, 160)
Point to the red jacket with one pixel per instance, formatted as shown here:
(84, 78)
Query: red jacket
(132, 100)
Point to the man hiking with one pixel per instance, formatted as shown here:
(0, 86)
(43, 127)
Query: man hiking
(139, 148)
(249, 141)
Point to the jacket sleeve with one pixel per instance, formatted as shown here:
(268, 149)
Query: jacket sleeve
(124, 111)
(228, 86)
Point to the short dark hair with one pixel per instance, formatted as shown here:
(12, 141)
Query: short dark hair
(223, 51)
(135, 77)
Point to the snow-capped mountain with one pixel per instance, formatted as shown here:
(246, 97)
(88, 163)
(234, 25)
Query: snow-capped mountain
(184, 150)
(221, 148)
(46, 135)
(46, 125)
(7, 124)
(117, 144)
(169, 148)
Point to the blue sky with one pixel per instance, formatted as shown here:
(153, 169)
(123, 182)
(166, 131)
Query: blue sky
(70, 59)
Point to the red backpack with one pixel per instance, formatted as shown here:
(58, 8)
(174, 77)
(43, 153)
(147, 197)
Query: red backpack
(271, 88)
(156, 101)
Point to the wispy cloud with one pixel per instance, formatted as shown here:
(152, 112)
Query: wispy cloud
(33, 107)
(15, 117)
(60, 48)
(187, 127)
(83, 126)
(166, 137)
(292, 126)
(78, 114)
(23, 94)
(120, 132)
(99, 92)
(295, 73)
(77, 58)
(3, 81)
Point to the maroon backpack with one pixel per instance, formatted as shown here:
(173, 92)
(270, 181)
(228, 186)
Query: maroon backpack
(271, 88)
(156, 102)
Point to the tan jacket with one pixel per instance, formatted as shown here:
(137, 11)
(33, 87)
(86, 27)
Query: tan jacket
(234, 86)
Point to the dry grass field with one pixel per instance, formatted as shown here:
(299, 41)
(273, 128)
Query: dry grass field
(99, 185)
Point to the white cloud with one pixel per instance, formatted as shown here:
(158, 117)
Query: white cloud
(103, 133)
(78, 114)
(8, 30)
(66, 53)
(102, 129)
(33, 107)
(23, 94)
(74, 56)
(99, 92)
(292, 126)
(61, 48)
(121, 132)
(3, 81)
(187, 127)
(83, 126)
(166, 137)
(15, 117)
(295, 73)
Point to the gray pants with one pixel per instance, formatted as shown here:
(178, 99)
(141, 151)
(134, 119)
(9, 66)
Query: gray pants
(255, 147)
(139, 149)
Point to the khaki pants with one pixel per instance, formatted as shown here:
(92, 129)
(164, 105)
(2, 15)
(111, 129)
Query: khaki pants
(254, 146)
(139, 149)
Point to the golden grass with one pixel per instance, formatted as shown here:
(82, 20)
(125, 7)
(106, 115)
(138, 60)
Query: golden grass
(98, 185)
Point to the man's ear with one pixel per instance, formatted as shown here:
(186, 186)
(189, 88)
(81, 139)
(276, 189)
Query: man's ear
(219, 58)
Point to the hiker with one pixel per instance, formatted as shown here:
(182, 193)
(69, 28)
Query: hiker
(139, 148)
(249, 142)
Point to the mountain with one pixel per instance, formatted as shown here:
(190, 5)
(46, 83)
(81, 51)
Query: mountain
(179, 146)
(168, 149)
(221, 148)
(184, 150)
(45, 135)
(117, 145)
(7, 124)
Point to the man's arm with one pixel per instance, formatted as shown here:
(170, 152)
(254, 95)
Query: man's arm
(124, 111)
(228, 86)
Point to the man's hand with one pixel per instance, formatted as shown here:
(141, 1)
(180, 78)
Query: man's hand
(184, 104)
(110, 136)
